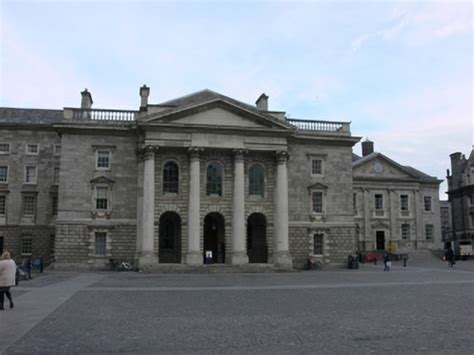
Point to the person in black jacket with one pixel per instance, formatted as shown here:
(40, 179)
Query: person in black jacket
(449, 257)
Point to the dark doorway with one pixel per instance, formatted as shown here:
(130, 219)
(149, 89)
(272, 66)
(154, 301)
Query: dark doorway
(380, 240)
(1, 245)
(257, 238)
(214, 237)
(170, 238)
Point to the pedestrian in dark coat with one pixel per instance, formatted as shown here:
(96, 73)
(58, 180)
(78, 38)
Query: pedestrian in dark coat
(7, 278)
(387, 262)
(449, 257)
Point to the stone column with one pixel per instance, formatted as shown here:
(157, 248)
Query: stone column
(239, 253)
(282, 254)
(419, 236)
(147, 256)
(369, 238)
(194, 256)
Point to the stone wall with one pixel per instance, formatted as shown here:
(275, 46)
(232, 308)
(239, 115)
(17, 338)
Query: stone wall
(42, 237)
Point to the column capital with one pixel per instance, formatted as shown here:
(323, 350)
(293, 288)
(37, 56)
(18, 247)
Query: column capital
(147, 152)
(282, 156)
(239, 154)
(195, 151)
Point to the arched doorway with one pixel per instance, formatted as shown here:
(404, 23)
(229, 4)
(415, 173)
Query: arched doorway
(257, 238)
(170, 238)
(214, 237)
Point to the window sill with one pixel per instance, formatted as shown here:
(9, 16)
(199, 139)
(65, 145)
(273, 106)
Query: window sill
(101, 214)
(170, 195)
(317, 217)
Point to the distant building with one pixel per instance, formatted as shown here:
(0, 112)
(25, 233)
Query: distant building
(394, 203)
(461, 196)
(445, 214)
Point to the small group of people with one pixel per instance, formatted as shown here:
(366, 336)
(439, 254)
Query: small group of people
(7, 278)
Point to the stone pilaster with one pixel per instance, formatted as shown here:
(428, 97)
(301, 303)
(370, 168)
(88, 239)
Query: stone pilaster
(194, 256)
(282, 255)
(418, 210)
(147, 256)
(239, 253)
(369, 238)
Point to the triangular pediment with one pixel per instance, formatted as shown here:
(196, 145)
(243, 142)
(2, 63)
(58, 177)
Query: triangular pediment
(378, 166)
(210, 109)
(102, 180)
(318, 186)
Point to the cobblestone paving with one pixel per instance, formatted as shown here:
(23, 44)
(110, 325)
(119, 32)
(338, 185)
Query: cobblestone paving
(420, 309)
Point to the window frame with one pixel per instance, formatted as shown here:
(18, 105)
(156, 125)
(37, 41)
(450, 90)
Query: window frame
(25, 177)
(430, 199)
(408, 231)
(7, 174)
(178, 178)
(212, 194)
(313, 209)
(9, 148)
(431, 231)
(56, 150)
(262, 193)
(321, 166)
(24, 205)
(27, 150)
(102, 234)
(322, 244)
(3, 205)
(28, 238)
(102, 199)
(109, 159)
(56, 175)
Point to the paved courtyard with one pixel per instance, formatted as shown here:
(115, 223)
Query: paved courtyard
(425, 307)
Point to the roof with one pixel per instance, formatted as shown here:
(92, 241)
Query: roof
(408, 169)
(30, 116)
(206, 96)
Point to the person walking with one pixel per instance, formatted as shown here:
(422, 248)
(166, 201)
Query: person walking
(387, 262)
(449, 257)
(7, 278)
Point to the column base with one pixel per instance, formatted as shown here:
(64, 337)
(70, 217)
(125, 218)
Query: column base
(147, 260)
(194, 258)
(282, 259)
(239, 258)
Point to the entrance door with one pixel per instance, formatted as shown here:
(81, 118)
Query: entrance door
(214, 237)
(380, 240)
(170, 238)
(257, 238)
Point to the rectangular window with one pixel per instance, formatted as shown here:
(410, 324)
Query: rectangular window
(405, 231)
(316, 167)
(354, 202)
(32, 149)
(379, 202)
(103, 159)
(26, 245)
(100, 243)
(30, 174)
(404, 202)
(3, 205)
(318, 240)
(57, 149)
(4, 148)
(317, 202)
(54, 205)
(429, 232)
(52, 245)
(56, 176)
(102, 197)
(29, 205)
(3, 174)
(427, 203)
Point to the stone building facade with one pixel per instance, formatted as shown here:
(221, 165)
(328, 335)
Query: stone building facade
(461, 197)
(394, 204)
(200, 175)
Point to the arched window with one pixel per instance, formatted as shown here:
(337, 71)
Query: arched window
(171, 177)
(256, 180)
(214, 179)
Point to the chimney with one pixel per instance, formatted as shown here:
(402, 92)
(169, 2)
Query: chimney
(86, 102)
(144, 93)
(262, 102)
(367, 147)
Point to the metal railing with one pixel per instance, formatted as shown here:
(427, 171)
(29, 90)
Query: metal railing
(325, 126)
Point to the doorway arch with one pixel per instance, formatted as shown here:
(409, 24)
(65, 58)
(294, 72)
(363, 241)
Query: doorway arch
(169, 245)
(257, 250)
(214, 237)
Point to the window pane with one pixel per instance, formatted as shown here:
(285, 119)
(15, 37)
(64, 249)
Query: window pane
(316, 167)
(427, 200)
(103, 159)
(378, 202)
(30, 174)
(3, 205)
(4, 147)
(32, 148)
(102, 193)
(55, 205)
(100, 243)
(3, 173)
(318, 244)
(405, 231)
(28, 205)
(429, 231)
(214, 179)
(56, 176)
(256, 180)
(404, 202)
(26, 245)
(171, 177)
(317, 202)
